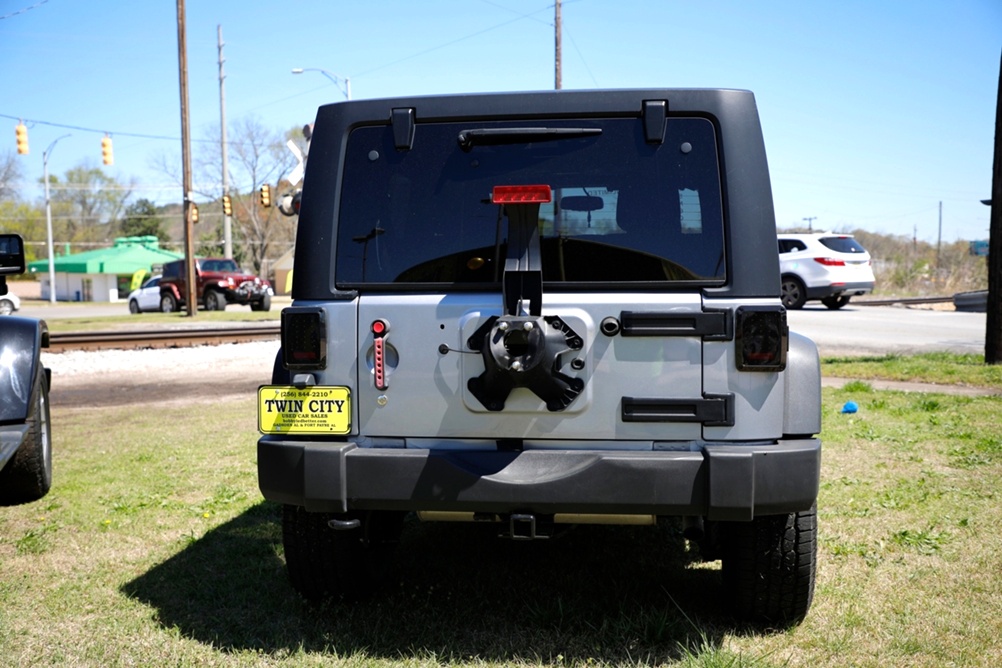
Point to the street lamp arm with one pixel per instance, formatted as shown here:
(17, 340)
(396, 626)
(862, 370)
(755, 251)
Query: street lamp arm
(343, 83)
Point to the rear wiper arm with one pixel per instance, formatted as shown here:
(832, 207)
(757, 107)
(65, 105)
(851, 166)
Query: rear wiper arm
(498, 136)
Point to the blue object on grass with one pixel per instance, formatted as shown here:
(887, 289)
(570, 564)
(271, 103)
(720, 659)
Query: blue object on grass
(850, 407)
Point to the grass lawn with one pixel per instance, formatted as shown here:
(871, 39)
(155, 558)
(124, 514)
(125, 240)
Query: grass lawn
(155, 548)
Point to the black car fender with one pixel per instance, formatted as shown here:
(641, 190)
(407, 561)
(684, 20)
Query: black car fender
(21, 343)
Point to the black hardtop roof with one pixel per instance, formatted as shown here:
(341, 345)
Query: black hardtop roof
(545, 103)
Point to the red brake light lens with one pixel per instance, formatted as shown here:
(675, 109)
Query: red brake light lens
(829, 261)
(538, 194)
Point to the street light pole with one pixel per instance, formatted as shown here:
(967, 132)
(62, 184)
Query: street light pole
(48, 219)
(346, 88)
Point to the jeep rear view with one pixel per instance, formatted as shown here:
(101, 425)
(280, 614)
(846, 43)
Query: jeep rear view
(538, 309)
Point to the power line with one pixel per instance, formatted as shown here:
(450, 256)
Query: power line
(25, 9)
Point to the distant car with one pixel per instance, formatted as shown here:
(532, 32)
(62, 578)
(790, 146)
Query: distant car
(9, 303)
(146, 297)
(830, 267)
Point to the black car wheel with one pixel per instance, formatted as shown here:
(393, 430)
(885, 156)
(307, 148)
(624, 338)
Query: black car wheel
(133, 306)
(769, 566)
(835, 303)
(6, 307)
(263, 304)
(793, 292)
(168, 304)
(215, 301)
(342, 563)
(28, 475)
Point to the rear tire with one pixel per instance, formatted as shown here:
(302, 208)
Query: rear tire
(769, 567)
(323, 562)
(835, 303)
(133, 306)
(167, 303)
(6, 307)
(793, 292)
(28, 474)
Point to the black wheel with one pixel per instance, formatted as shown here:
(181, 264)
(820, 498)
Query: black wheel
(133, 306)
(346, 563)
(793, 292)
(835, 303)
(215, 301)
(769, 566)
(167, 303)
(263, 304)
(6, 307)
(28, 474)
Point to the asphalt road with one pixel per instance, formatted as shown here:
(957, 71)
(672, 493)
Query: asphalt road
(852, 330)
(874, 330)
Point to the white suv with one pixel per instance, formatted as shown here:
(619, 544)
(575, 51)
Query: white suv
(826, 266)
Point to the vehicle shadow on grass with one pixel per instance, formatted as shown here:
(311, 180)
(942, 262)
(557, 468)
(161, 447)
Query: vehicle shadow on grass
(610, 594)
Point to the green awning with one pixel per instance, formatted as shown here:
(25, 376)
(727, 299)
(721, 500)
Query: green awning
(127, 256)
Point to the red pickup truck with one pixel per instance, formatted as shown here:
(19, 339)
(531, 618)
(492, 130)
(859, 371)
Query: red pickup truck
(219, 281)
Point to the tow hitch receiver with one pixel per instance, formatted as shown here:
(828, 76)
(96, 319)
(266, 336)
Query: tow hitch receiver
(525, 527)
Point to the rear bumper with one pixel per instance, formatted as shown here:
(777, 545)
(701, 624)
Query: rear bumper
(848, 289)
(720, 482)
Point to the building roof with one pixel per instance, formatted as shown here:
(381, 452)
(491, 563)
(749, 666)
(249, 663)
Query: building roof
(127, 256)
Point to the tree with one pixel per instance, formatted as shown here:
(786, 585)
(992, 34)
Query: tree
(28, 220)
(257, 156)
(86, 202)
(142, 219)
(11, 173)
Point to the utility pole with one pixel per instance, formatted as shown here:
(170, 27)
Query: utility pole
(557, 65)
(189, 205)
(993, 320)
(810, 223)
(227, 222)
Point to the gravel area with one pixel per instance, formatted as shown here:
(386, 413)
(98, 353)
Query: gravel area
(122, 377)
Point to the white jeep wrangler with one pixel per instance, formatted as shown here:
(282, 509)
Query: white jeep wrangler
(539, 308)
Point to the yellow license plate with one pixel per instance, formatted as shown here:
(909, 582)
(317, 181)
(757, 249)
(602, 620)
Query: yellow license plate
(311, 410)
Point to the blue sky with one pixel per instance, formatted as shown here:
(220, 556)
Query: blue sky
(874, 111)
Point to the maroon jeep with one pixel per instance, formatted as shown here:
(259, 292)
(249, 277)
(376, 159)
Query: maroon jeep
(218, 281)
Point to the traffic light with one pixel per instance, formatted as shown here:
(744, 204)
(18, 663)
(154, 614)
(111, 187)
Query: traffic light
(227, 206)
(22, 138)
(106, 155)
(194, 213)
(266, 195)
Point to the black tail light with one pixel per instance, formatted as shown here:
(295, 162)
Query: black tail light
(304, 338)
(761, 338)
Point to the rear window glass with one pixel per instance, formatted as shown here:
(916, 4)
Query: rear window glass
(623, 210)
(842, 244)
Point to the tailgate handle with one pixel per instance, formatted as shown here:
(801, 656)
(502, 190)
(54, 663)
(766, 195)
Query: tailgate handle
(709, 325)
(713, 410)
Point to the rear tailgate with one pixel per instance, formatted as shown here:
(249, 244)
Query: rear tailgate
(630, 381)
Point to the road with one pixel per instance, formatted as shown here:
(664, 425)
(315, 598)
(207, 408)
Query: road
(875, 330)
(852, 330)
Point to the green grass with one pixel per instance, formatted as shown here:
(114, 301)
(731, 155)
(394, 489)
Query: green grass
(155, 548)
(939, 368)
